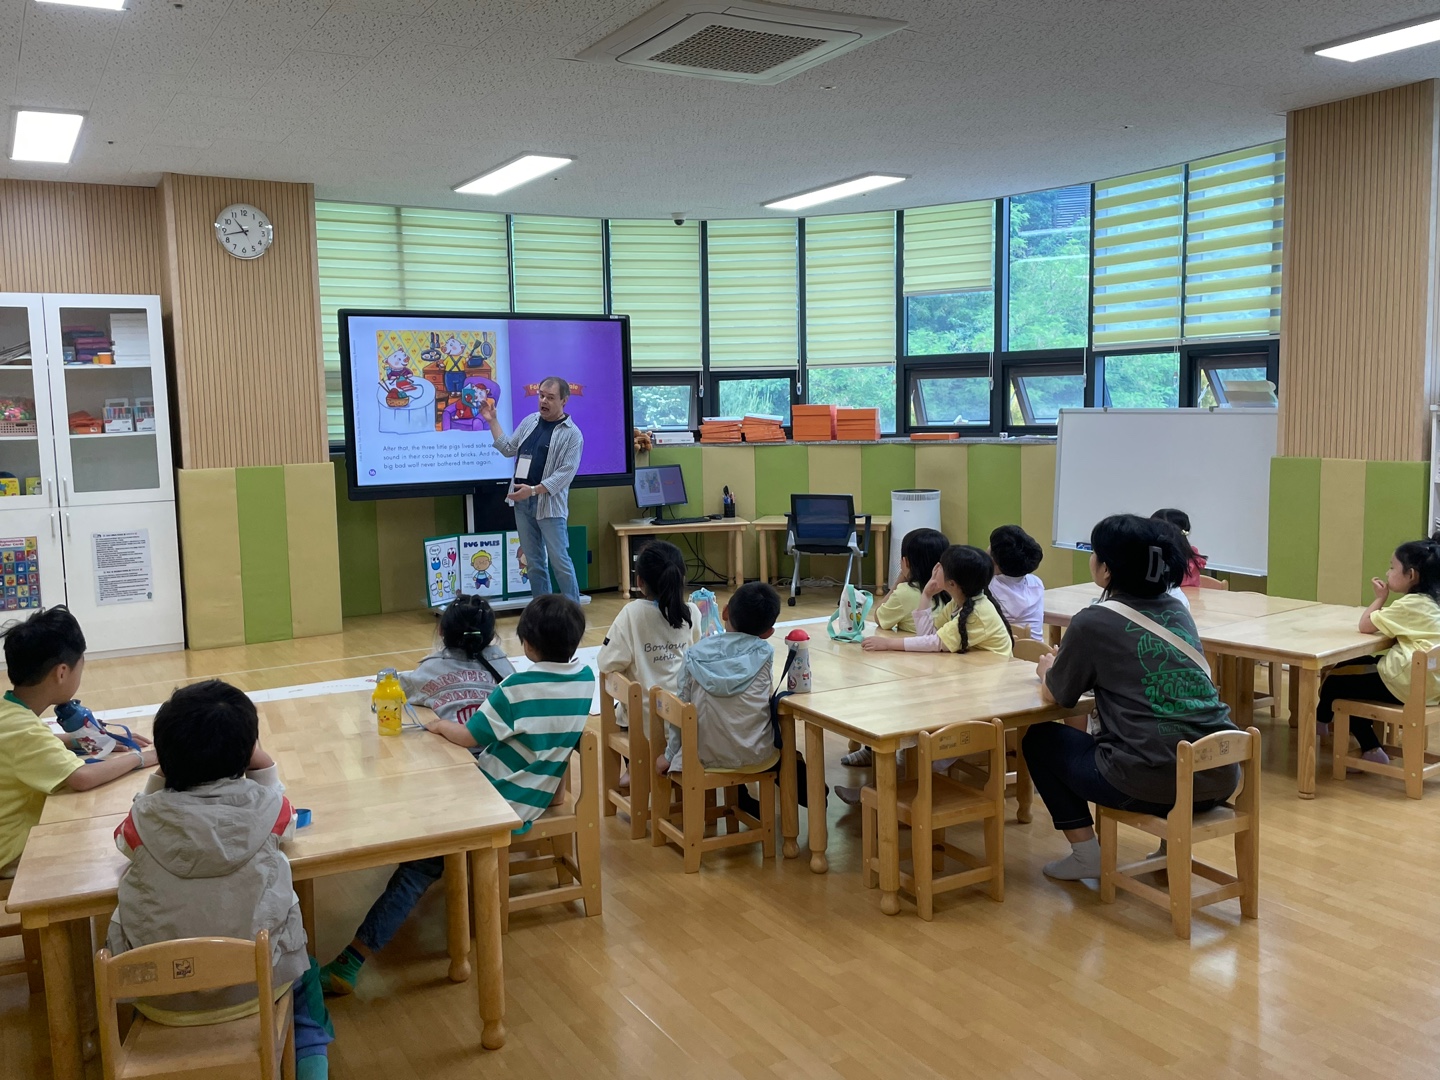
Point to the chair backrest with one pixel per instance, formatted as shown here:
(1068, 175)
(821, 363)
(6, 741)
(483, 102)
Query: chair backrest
(185, 966)
(961, 740)
(1028, 648)
(616, 687)
(1421, 664)
(666, 708)
(822, 520)
(589, 751)
(1214, 752)
(1213, 583)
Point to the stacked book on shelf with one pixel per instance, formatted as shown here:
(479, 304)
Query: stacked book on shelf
(18, 354)
(757, 427)
(84, 343)
(720, 429)
(934, 436)
(131, 335)
(813, 423)
(857, 425)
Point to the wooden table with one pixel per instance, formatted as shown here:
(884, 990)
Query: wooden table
(368, 810)
(766, 527)
(972, 686)
(1210, 608)
(734, 526)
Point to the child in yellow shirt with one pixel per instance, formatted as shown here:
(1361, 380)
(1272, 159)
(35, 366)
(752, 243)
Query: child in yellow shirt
(919, 552)
(1413, 620)
(970, 622)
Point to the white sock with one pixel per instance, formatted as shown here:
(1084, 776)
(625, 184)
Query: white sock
(1082, 862)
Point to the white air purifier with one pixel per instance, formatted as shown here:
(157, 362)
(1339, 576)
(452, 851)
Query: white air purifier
(910, 508)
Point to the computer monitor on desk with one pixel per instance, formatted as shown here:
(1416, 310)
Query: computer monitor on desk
(659, 486)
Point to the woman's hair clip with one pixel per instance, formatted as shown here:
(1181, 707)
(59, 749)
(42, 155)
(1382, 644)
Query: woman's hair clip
(1156, 569)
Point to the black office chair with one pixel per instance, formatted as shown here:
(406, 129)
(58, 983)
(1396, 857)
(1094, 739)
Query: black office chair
(823, 525)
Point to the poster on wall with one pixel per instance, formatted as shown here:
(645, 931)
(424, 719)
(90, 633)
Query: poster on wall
(482, 564)
(20, 557)
(122, 567)
(517, 569)
(442, 570)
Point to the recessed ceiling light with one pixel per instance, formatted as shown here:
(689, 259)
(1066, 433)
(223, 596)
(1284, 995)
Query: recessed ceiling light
(1387, 39)
(857, 186)
(512, 174)
(104, 5)
(45, 136)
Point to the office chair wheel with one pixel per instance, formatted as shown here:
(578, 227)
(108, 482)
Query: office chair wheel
(791, 601)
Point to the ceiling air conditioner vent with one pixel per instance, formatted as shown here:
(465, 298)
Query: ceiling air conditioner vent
(747, 42)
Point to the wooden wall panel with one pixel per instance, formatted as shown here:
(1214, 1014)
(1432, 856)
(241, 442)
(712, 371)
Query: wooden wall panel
(1357, 332)
(79, 238)
(246, 333)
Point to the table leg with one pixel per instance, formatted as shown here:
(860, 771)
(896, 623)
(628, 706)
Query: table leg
(624, 568)
(485, 895)
(82, 961)
(1309, 680)
(737, 573)
(57, 955)
(1024, 787)
(815, 796)
(881, 568)
(888, 832)
(305, 893)
(1293, 694)
(789, 792)
(457, 917)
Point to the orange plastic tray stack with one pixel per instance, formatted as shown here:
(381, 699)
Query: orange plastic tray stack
(813, 423)
(720, 431)
(762, 429)
(858, 425)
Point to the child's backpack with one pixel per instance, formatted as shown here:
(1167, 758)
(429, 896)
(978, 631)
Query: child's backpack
(710, 623)
(848, 622)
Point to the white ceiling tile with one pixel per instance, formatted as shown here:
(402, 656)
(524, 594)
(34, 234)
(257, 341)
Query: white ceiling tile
(360, 33)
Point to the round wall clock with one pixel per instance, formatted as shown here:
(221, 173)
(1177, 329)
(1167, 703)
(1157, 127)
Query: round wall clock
(244, 231)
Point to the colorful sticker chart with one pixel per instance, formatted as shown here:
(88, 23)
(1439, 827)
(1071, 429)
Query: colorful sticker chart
(20, 560)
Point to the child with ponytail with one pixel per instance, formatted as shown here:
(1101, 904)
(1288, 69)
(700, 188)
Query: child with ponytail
(648, 640)
(1413, 620)
(971, 621)
(456, 680)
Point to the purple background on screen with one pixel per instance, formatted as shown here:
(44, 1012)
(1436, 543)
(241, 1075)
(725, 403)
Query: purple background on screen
(588, 355)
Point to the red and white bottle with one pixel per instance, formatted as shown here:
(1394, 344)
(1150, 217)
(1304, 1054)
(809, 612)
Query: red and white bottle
(799, 680)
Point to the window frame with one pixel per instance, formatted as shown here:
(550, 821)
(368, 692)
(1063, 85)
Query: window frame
(691, 379)
(716, 376)
(1097, 393)
(1197, 359)
(1040, 362)
(909, 369)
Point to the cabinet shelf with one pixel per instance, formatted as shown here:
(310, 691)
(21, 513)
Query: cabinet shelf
(110, 434)
(107, 367)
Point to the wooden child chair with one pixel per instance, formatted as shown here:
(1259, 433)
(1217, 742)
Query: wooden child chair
(29, 963)
(261, 1045)
(566, 838)
(1412, 719)
(934, 802)
(618, 744)
(694, 783)
(1182, 829)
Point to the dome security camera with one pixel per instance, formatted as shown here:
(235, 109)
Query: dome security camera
(678, 217)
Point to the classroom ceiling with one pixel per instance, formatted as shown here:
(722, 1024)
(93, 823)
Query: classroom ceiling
(396, 101)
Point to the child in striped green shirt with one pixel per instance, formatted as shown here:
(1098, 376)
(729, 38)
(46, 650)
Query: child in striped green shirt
(524, 734)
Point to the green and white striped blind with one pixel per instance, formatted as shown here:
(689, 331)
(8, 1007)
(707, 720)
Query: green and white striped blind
(454, 260)
(950, 249)
(359, 266)
(850, 289)
(1138, 225)
(754, 294)
(655, 279)
(559, 264)
(1234, 228)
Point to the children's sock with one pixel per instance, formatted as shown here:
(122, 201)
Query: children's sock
(339, 976)
(1378, 756)
(1082, 862)
(315, 1067)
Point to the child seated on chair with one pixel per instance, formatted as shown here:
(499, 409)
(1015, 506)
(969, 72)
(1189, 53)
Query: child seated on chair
(45, 657)
(522, 737)
(205, 861)
(1018, 593)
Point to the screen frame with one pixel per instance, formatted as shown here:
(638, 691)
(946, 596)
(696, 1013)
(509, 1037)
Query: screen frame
(375, 492)
(662, 503)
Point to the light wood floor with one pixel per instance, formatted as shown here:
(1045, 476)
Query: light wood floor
(752, 969)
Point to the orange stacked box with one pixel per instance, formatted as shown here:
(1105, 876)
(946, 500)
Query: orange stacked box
(933, 436)
(757, 428)
(720, 429)
(813, 423)
(858, 425)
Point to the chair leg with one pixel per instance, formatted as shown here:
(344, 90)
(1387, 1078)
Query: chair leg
(1247, 869)
(1177, 867)
(922, 865)
(34, 968)
(693, 816)
(640, 774)
(1412, 751)
(767, 818)
(610, 766)
(1109, 856)
(661, 796)
(587, 843)
(995, 855)
(1339, 746)
(287, 1055)
(869, 825)
(563, 846)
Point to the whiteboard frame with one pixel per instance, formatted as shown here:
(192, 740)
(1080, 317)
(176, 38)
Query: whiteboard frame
(1068, 545)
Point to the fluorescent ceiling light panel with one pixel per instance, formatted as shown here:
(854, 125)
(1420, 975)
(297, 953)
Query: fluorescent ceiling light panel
(842, 190)
(45, 136)
(1385, 40)
(512, 174)
(103, 5)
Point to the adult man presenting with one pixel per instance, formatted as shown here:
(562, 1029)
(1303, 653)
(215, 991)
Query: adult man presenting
(546, 446)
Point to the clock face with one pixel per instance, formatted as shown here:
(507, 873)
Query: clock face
(244, 231)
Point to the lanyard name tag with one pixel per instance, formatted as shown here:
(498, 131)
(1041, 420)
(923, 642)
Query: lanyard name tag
(522, 469)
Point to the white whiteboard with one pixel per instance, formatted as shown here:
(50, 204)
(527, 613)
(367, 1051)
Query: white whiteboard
(1212, 463)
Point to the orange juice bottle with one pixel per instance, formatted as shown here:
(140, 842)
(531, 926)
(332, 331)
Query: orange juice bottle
(388, 701)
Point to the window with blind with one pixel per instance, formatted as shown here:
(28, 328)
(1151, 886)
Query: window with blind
(949, 278)
(1138, 223)
(559, 264)
(655, 279)
(754, 294)
(454, 260)
(1235, 206)
(850, 289)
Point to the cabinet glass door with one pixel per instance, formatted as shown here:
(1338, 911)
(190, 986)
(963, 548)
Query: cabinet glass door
(27, 453)
(107, 374)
